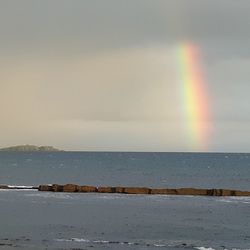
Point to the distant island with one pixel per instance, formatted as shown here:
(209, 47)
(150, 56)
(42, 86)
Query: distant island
(31, 148)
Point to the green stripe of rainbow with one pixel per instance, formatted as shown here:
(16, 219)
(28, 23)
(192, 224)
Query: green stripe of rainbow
(194, 95)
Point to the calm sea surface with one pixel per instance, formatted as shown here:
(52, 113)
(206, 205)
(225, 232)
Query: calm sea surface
(44, 220)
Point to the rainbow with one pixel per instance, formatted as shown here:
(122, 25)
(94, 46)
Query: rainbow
(194, 95)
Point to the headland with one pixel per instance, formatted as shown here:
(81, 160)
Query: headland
(30, 148)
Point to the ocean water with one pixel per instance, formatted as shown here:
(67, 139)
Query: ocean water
(45, 220)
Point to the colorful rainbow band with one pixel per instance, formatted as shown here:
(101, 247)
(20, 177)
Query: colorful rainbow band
(194, 95)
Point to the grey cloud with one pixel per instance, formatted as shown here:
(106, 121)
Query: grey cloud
(85, 25)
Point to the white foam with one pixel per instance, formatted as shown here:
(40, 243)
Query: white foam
(27, 187)
(159, 245)
(204, 248)
(83, 240)
(17, 190)
(73, 239)
(104, 241)
(210, 248)
(80, 240)
(242, 199)
(240, 249)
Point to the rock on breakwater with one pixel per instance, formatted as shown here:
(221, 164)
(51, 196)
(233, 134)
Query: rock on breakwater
(73, 188)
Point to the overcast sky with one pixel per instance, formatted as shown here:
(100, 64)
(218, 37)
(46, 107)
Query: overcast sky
(101, 75)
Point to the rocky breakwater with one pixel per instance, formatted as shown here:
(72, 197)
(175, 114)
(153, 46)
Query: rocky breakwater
(73, 188)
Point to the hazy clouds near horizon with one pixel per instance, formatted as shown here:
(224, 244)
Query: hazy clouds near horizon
(101, 75)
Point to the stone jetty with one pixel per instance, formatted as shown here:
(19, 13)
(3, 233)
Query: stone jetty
(73, 188)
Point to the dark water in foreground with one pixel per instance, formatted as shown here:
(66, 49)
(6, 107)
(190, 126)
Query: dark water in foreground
(43, 220)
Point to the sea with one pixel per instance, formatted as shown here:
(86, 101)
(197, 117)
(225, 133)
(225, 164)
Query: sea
(30, 219)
